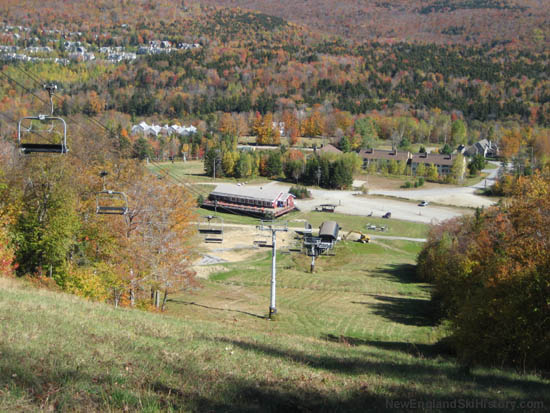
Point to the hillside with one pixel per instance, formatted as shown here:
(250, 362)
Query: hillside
(355, 336)
(243, 62)
(518, 22)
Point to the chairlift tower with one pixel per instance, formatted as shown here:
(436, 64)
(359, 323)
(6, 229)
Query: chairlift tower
(274, 228)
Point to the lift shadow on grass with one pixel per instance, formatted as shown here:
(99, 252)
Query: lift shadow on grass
(245, 395)
(403, 310)
(413, 370)
(216, 308)
(402, 273)
(427, 351)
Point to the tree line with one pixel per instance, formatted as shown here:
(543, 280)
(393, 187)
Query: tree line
(490, 273)
(50, 232)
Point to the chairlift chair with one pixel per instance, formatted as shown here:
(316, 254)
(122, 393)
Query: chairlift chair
(212, 227)
(44, 147)
(110, 202)
(261, 238)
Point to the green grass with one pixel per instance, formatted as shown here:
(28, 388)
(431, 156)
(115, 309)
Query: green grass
(303, 142)
(230, 218)
(472, 180)
(347, 222)
(349, 337)
(193, 172)
(352, 222)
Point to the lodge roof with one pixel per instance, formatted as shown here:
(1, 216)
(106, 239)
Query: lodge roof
(435, 158)
(269, 194)
(382, 154)
(328, 148)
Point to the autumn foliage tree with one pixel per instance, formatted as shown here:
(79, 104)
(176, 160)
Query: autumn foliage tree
(49, 226)
(314, 125)
(491, 276)
(160, 232)
(510, 143)
(266, 132)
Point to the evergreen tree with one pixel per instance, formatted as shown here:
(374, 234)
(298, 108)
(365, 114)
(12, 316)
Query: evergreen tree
(142, 149)
(274, 164)
(344, 144)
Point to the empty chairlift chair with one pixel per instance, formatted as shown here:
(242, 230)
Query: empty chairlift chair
(50, 139)
(211, 227)
(110, 202)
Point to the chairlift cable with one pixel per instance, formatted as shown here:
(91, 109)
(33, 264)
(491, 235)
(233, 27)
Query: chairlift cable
(15, 121)
(186, 184)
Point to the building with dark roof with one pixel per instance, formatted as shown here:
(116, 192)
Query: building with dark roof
(484, 147)
(328, 148)
(369, 155)
(443, 162)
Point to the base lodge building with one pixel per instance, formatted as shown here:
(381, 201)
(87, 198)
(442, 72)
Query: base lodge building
(258, 201)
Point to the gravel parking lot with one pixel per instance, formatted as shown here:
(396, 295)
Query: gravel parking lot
(448, 195)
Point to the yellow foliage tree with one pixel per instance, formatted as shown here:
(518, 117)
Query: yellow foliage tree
(510, 143)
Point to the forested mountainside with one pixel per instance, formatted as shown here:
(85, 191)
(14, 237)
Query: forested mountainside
(514, 23)
(247, 61)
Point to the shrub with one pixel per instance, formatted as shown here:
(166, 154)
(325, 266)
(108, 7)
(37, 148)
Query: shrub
(408, 185)
(6, 253)
(300, 192)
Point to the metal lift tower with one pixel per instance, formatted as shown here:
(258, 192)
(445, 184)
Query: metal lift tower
(274, 228)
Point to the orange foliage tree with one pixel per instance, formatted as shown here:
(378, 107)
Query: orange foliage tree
(491, 275)
(510, 143)
(266, 132)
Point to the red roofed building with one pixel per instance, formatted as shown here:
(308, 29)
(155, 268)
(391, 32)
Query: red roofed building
(261, 201)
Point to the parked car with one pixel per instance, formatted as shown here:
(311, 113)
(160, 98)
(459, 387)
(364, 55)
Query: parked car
(387, 215)
(424, 203)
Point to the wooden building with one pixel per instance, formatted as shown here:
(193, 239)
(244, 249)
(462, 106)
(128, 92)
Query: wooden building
(374, 155)
(443, 162)
(267, 201)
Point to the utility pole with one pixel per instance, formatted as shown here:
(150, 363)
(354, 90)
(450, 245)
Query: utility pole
(274, 228)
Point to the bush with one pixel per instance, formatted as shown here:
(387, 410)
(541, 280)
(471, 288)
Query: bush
(407, 185)
(6, 252)
(300, 192)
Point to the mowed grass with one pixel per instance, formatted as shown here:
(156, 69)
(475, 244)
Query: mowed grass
(395, 227)
(356, 335)
(193, 172)
(355, 292)
(348, 223)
